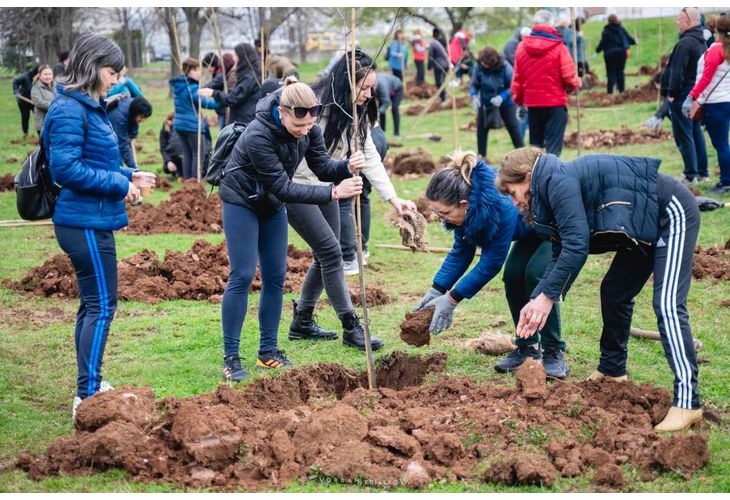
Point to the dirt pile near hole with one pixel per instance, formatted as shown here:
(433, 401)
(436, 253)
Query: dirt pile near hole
(423, 91)
(711, 263)
(612, 138)
(600, 99)
(411, 227)
(423, 205)
(414, 328)
(434, 106)
(7, 182)
(320, 422)
(411, 161)
(200, 273)
(374, 295)
(188, 211)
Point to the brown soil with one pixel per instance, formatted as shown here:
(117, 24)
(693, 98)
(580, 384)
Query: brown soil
(725, 303)
(375, 296)
(611, 138)
(423, 205)
(414, 328)
(417, 109)
(492, 344)
(469, 127)
(411, 161)
(200, 273)
(600, 99)
(320, 422)
(609, 475)
(412, 228)
(424, 91)
(591, 80)
(531, 381)
(188, 211)
(711, 263)
(7, 182)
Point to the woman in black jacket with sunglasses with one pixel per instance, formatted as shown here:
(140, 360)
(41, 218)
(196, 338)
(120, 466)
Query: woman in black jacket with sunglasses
(255, 186)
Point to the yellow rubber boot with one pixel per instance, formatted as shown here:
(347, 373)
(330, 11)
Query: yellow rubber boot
(596, 375)
(679, 419)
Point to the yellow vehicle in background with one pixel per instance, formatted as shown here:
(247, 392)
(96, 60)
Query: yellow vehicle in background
(323, 41)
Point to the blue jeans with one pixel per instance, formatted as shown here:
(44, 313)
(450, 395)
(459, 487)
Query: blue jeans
(94, 258)
(690, 141)
(347, 224)
(248, 238)
(717, 119)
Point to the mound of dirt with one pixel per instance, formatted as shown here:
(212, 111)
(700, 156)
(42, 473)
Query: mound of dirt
(414, 328)
(320, 422)
(412, 228)
(7, 182)
(201, 273)
(423, 91)
(612, 138)
(411, 161)
(434, 106)
(188, 211)
(711, 263)
(600, 99)
(374, 295)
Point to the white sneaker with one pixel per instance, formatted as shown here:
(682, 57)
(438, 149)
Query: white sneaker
(350, 267)
(76, 403)
(365, 257)
(105, 386)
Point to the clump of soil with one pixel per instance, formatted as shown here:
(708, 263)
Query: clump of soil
(491, 344)
(600, 99)
(7, 182)
(188, 211)
(200, 273)
(423, 205)
(531, 379)
(469, 127)
(434, 106)
(374, 295)
(412, 228)
(414, 328)
(319, 421)
(423, 91)
(725, 303)
(711, 263)
(411, 161)
(612, 138)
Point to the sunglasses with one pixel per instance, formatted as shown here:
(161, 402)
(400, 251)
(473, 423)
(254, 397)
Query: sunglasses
(301, 111)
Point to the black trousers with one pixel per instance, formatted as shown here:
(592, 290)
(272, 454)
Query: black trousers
(439, 75)
(615, 64)
(420, 72)
(509, 117)
(583, 68)
(25, 111)
(395, 111)
(398, 73)
(670, 260)
(547, 127)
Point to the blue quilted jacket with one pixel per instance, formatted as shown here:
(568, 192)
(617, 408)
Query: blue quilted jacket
(185, 96)
(85, 163)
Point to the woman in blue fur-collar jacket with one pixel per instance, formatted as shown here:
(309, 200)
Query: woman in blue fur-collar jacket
(465, 198)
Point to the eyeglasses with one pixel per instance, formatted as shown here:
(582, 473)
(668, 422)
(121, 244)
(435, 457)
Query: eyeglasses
(441, 215)
(301, 111)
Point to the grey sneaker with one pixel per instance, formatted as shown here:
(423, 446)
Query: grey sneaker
(687, 181)
(365, 257)
(233, 371)
(720, 189)
(105, 386)
(702, 178)
(515, 359)
(350, 267)
(554, 363)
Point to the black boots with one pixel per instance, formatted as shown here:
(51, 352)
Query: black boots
(304, 327)
(353, 334)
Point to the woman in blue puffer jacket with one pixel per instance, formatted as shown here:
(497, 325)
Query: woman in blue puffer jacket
(463, 195)
(84, 160)
(185, 96)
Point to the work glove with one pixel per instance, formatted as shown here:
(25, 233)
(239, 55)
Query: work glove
(476, 103)
(443, 313)
(687, 106)
(496, 101)
(653, 122)
(707, 204)
(430, 295)
(522, 113)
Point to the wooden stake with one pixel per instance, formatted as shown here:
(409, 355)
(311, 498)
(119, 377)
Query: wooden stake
(219, 45)
(24, 223)
(263, 53)
(577, 92)
(453, 97)
(372, 383)
(200, 129)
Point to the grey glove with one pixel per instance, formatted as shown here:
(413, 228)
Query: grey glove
(521, 113)
(430, 295)
(496, 101)
(687, 106)
(475, 103)
(653, 122)
(442, 315)
(707, 204)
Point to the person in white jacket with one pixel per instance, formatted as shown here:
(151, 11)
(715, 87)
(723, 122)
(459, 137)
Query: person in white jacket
(319, 225)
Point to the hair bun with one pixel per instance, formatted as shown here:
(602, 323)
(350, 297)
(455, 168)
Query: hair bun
(464, 162)
(289, 80)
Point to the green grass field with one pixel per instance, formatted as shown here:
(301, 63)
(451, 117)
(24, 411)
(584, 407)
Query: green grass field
(176, 348)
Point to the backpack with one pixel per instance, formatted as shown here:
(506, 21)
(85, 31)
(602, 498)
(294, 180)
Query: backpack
(222, 151)
(36, 193)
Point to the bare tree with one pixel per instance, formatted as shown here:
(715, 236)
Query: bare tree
(42, 31)
(124, 17)
(168, 16)
(197, 18)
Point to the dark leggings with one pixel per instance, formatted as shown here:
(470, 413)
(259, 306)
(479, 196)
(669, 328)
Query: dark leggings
(523, 270)
(189, 141)
(395, 110)
(347, 223)
(509, 117)
(420, 72)
(250, 237)
(398, 73)
(615, 64)
(94, 258)
(25, 111)
(439, 75)
(319, 226)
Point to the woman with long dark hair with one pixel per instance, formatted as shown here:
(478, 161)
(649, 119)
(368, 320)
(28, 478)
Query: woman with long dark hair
(84, 160)
(320, 225)
(622, 204)
(255, 186)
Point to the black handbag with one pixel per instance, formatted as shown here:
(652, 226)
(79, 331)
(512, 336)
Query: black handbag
(492, 118)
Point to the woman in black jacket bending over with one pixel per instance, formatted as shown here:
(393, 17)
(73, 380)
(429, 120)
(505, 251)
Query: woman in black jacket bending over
(605, 203)
(255, 186)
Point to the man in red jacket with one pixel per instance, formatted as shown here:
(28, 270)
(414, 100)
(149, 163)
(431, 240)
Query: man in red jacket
(543, 75)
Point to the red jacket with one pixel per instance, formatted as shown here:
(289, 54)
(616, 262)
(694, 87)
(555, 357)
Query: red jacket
(419, 49)
(544, 71)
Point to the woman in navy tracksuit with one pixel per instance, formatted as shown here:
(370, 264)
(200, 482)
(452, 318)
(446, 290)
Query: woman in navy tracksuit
(84, 160)
(466, 199)
(604, 203)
